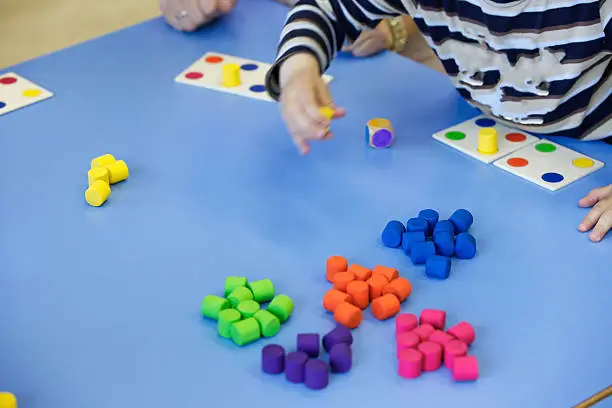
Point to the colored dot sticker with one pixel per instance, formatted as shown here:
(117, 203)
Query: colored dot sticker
(516, 137)
(2, 104)
(485, 122)
(257, 88)
(583, 162)
(8, 80)
(455, 135)
(31, 93)
(382, 138)
(249, 67)
(517, 162)
(552, 177)
(213, 59)
(194, 75)
(545, 147)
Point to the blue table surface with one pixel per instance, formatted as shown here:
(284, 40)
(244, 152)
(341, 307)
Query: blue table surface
(99, 307)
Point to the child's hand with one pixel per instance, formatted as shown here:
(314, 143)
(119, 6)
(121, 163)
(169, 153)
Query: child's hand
(600, 215)
(371, 42)
(303, 93)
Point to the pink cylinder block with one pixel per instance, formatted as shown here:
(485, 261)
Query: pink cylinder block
(440, 337)
(432, 355)
(424, 331)
(405, 322)
(452, 350)
(410, 363)
(465, 368)
(437, 318)
(464, 332)
(406, 340)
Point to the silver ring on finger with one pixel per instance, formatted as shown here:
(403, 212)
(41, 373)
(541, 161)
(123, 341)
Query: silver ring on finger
(181, 16)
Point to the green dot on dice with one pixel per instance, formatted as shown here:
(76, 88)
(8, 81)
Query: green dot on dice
(233, 282)
(282, 307)
(263, 290)
(248, 308)
(268, 323)
(240, 294)
(212, 305)
(226, 319)
(245, 331)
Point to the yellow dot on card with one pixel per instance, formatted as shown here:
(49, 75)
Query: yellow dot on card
(583, 162)
(31, 93)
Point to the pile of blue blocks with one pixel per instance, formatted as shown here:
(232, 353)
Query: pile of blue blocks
(428, 240)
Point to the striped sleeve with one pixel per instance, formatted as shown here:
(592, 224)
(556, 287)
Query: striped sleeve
(605, 12)
(319, 27)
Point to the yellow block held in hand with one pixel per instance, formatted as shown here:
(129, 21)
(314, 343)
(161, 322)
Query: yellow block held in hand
(97, 193)
(117, 171)
(327, 112)
(102, 161)
(97, 173)
(230, 75)
(487, 141)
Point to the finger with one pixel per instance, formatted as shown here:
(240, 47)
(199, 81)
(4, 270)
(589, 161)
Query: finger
(593, 216)
(369, 47)
(302, 145)
(207, 7)
(225, 6)
(603, 225)
(595, 195)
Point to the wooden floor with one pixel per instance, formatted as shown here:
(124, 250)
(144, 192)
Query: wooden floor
(30, 28)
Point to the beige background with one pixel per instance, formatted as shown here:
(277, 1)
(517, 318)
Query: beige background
(30, 28)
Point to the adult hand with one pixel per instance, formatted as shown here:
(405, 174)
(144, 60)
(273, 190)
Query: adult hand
(371, 42)
(189, 15)
(599, 219)
(303, 93)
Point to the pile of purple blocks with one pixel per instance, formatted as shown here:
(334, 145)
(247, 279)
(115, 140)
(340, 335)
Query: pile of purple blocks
(304, 364)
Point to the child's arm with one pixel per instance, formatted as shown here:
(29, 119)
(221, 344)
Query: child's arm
(319, 28)
(599, 219)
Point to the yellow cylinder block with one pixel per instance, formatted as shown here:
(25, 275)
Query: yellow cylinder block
(102, 161)
(117, 171)
(97, 173)
(97, 193)
(230, 75)
(7, 400)
(487, 141)
(327, 112)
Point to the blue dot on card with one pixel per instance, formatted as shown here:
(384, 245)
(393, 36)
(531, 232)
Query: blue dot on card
(485, 122)
(257, 88)
(2, 105)
(249, 67)
(552, 177)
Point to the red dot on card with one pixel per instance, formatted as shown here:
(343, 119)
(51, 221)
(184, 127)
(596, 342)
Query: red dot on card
(517, 162)
(516, 137)
(194, 75)
(8, 80)
(213, 59)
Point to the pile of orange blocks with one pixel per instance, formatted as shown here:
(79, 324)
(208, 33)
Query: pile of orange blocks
(356, 287)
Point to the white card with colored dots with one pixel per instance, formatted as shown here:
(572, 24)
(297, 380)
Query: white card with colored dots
(207, 72)
(549, 164)
(16, 92)
(464, 137)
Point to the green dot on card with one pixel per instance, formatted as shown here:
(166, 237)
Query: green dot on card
(545, 147)
(455, 135)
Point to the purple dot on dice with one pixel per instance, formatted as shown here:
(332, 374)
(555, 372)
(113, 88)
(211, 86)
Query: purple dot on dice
(309, 344)
(341, 358)
(273, 359)
(339, 335)
(316, 375)
(295, 364)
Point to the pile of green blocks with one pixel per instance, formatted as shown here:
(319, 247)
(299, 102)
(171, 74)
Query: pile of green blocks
(239, 314)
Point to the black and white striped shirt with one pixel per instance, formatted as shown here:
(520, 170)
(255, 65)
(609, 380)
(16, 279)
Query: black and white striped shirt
(544, 66)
